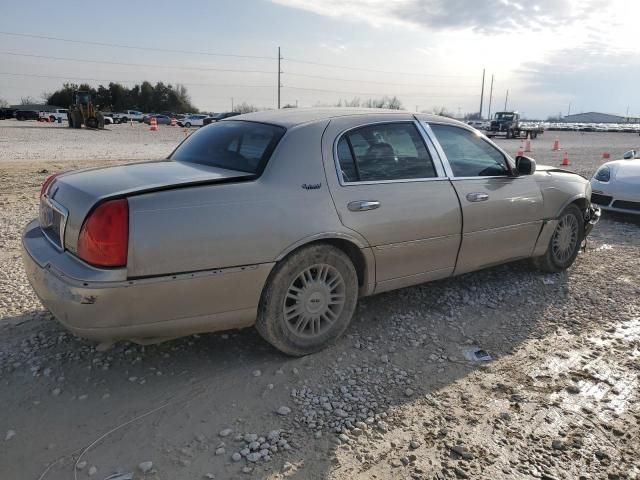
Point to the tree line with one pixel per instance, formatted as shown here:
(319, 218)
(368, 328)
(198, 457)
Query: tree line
(115, 97)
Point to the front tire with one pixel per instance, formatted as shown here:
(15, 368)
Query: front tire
(565, 242)
(309, 300)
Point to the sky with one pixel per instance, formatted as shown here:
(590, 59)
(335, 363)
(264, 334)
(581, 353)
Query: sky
(553, 56)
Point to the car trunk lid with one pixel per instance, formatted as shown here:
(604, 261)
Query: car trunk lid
(76, 193)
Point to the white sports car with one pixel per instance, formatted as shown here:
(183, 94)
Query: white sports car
(616, 185)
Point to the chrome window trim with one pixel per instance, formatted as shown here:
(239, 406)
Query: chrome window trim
(63, 225)
(440, 173)
(427, 127)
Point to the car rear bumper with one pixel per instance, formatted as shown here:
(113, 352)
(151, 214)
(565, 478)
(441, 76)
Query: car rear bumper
(142, 310)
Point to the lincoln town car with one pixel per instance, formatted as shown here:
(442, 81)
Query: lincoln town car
(282, 220)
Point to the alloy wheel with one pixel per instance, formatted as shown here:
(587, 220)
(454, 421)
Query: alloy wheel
(314, 300)
(565, 238)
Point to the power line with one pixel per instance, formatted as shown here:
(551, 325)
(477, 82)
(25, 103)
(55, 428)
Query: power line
(146, 65)
(116, 45)
(352, 92)
(86, 79)
(320, 77)
(217, 54)
(346, 67)
(207, 69)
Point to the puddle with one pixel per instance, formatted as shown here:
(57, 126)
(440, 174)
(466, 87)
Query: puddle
(473, 353)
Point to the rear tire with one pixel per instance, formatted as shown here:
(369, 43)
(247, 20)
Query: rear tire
(92, 122)
(308, 301)
(187, 125)
(565, 242)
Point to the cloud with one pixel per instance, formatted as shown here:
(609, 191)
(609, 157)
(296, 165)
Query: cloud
(589, 77)
(488, 16)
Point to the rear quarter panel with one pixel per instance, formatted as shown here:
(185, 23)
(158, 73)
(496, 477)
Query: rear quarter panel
(227, 225)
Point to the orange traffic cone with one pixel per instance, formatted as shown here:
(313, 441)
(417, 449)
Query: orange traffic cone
(153, 124)
(185, 132)
(527, 144)
(565, 160)
(173, 121)
(131, 121)
(606, 156)
(556, 145)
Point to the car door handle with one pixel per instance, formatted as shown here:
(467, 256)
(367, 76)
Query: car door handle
(477, 197)
(363, 205)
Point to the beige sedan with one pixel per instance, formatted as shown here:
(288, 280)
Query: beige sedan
(283, 219)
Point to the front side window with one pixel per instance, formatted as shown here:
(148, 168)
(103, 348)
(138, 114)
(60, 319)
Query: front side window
(469, 154)
(244, 146)
(391, 151)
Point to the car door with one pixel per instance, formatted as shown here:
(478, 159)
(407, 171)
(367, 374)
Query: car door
(388, 185)
(501, 212)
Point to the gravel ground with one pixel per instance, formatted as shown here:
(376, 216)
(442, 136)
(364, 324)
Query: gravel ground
(31, 141)
(396, 397)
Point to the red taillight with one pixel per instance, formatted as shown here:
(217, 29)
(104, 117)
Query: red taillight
(104, 237)
(47, 183)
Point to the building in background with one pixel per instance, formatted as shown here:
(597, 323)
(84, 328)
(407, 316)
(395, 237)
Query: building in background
(596, 117)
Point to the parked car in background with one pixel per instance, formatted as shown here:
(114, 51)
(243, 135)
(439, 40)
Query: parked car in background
(161, 119)
(108, 119)
(284, 218)
(58, 115)
(479, 124)
(217, 117)
(27, 115)
(7, 113)
(191, 121)
(616, 185)
(127, 115)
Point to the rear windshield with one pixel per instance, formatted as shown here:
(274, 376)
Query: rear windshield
(234, 145)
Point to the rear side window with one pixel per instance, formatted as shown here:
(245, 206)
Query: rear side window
(234, 145)
(391, 151)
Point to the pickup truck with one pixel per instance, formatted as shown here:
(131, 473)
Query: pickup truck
(510, 125)
(58, 115)
(124, 117)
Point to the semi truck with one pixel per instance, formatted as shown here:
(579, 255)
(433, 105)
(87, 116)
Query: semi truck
(509, 125)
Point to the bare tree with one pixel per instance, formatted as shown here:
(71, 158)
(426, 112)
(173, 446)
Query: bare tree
(3, 103)
(442, 111)
(28, 100)
(244, 107)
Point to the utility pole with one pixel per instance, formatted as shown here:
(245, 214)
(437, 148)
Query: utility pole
(232, 104)
(569, 111)
(296, 103)
(490, 98)
(482, 93)
(506, 100)
(279, 72)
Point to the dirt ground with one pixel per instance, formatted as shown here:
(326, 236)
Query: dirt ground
(395, 398)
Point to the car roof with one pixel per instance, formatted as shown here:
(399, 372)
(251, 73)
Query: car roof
(290, 117)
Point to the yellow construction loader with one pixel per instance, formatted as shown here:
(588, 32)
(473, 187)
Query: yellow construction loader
(84, 112)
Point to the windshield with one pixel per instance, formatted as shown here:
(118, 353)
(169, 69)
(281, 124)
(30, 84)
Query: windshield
(234, 145)
(504, 116)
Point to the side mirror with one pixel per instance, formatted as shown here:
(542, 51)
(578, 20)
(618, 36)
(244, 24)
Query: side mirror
(525, 165)
(630, 155)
